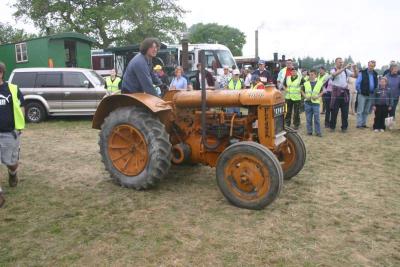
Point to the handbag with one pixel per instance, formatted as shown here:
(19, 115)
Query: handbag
(389, 122)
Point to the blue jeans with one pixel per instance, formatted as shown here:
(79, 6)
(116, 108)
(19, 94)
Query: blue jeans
(312, 111)
(364, 104)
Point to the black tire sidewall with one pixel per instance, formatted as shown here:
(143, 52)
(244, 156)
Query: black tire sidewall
(300, 159)
(40, 107)
(142, 120)
(290, 129)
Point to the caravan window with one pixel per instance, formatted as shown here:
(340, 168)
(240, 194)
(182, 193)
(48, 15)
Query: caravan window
(21, 53)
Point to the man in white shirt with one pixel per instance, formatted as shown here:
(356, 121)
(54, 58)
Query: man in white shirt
(340, 93)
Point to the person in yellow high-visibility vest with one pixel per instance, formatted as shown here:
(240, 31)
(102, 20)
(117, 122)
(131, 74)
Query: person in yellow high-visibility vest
(12, 121)
(113, 83)
(312, 94)
(235, 83)
(292, 85)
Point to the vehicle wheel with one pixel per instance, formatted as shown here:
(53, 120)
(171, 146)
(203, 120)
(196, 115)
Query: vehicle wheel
(35, 112)
(290, 129)
(249, 175)
(135, 147)
(292, 154)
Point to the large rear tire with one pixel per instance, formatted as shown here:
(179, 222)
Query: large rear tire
(135, 147)
(292, 154)
(249, 175)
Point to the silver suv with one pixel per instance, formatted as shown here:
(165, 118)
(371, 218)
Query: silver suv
(58, 91)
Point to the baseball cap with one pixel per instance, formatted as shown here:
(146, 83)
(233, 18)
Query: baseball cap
(236, 72)
(157, 67)
(261, 62)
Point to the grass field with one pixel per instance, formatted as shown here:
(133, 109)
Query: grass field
(343, 209)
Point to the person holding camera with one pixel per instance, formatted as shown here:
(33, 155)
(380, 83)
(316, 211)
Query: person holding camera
(340, 94)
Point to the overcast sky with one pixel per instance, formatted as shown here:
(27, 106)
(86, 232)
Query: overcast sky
(365, 29)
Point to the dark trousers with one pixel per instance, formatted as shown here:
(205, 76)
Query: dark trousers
(293, 105)
(327, 101)
(381, 112)
(343, 105)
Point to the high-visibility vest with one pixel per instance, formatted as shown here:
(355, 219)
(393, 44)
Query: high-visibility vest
(232, 86)
(293, 88)
(322, 78)
(112, 86)
(19, 118)
(312, 92)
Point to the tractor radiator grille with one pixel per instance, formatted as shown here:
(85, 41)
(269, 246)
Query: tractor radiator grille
(279, 118)
(279, 124)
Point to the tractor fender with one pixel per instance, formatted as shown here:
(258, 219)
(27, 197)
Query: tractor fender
(110, 103)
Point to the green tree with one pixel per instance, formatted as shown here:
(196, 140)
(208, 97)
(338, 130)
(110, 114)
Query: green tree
(9, 34)
(108, 21)
(233, 38)
(315, 63)
(349, 60)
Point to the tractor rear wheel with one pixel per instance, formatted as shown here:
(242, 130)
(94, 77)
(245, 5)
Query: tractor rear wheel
(249, 175)
(292, 154)
(135, 147)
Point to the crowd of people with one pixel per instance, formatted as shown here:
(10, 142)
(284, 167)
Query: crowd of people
(343, 88)
(347, 88)
(316, 92)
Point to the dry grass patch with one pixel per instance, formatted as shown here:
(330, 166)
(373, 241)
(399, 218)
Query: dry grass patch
(341, 210)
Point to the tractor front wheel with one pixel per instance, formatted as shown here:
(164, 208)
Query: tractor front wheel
(249, 175)
(292, 154)
(135, 147)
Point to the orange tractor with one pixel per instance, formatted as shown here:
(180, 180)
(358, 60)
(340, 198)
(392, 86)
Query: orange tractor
(252, 151)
